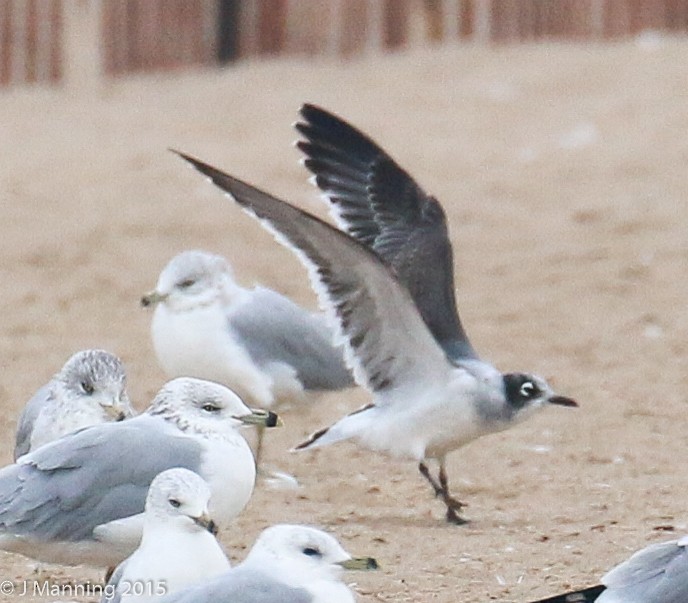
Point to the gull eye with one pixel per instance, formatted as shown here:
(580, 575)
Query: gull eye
(186, 283)
(86, 387)
(312, 552)
(528, 389)
(174, 503)
(208, 407)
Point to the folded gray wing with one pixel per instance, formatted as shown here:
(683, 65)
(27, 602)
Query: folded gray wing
(274, 329)
(655, 574)
(65, 489)
(240, 586)
(387, 343)
(111, 594)
(27, 419)
(380, 204)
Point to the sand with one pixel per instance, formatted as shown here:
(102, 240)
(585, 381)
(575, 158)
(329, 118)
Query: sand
(563, 173)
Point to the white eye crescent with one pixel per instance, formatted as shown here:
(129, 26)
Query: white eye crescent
(527, 389)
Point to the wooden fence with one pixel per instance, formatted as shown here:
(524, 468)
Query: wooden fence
(52, 40)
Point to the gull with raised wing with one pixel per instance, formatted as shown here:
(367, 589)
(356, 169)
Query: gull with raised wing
(425, 405)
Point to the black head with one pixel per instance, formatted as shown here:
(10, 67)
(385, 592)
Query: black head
(521, 389)
(525, 390)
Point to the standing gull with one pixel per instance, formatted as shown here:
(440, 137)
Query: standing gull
(289, 564)
(656, 574)
(89, 389)
(380, 205)
(255, 341)
(424, 404)
(178, 546)
(80, 499)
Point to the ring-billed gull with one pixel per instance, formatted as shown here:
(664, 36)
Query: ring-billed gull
(89, 389)
(80, 499)
(287, 563)
(424, 404)
(255, 341)
(380, 205)
(656, 574)
(178, 545)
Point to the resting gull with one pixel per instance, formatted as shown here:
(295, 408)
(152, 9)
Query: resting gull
(178, 546)
(89, 389)
(289, 564)
(255, 341)
(80, 499)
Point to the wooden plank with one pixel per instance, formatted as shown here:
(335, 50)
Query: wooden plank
(119, 36)
(18, 48)
(271, 26)
(434, 17)
(308, 27)
(466, 18)
(148, 35)
(210, 11)
(6, 42)
(248, 28)
(354, 27)
(31, 42)
(395, 23)
(107, 39)
(616, 19)
(133, 57)
(647, 14)
(504, 26)
(56, 40)
(676, 18)
(180, 35)
(43, 40)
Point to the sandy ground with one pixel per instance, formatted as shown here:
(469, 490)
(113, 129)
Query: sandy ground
(563, 173)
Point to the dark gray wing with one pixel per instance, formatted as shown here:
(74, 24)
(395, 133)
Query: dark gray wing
(380, 205)
(387, 343)
(656, 574)
(240, 586)
(63, 490)
(28, 418)
(273, 328)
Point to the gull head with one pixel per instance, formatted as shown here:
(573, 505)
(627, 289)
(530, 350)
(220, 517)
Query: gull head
(525, 393)
(95, 378)
(301, 554)
(192, 279)
(206, 408)
(179, 497)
